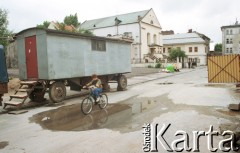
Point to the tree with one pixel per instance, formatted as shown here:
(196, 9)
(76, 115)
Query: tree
(176, 52)
(5, 34)
(85, 32)
(218, 47)
(44, 25)
(72, 20)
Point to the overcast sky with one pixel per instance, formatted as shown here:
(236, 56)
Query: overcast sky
(204, 16)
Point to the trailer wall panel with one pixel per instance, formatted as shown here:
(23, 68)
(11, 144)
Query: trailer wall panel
(64, 55)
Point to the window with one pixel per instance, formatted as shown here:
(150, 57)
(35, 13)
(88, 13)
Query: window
(190, 49)
(230, 50)
(148, 39)
(98, 45)
(155, 38)
(231, 32)
(230, 42)
(195, 49)
(227, 41)
(227, 32)
(227, 50)
(163, 50)
(136, 51)
(169, 49)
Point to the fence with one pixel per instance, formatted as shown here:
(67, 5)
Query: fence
(224, 69)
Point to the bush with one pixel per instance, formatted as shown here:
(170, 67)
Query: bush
(150, 66)
(158, 65)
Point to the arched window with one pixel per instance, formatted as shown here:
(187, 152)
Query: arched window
(148, 39)
(155, 39)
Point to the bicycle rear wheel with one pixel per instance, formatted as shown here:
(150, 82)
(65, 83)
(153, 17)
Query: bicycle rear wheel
(87, 105)
(103, 101)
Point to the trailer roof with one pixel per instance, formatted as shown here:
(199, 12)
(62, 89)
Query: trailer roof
(71, 34)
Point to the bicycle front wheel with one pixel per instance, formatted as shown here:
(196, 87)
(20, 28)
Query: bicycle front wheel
(103, 101)
(87, 105)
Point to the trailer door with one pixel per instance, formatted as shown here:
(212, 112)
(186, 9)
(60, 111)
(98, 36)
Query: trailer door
(31, 57)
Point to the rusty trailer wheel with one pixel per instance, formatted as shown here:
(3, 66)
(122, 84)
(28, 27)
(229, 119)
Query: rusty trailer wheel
(57, 92)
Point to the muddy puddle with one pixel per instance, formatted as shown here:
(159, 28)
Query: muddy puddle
(127, 116)
(121, 117)
(3, 144)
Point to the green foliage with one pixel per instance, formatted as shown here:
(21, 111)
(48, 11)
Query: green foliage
(62, 26)
(218, 47)
(175, 52)
(5, 34)
(85, 32)
(150, 66)
(158, 65)
(68, 20)
(44, 25)
(72, 20)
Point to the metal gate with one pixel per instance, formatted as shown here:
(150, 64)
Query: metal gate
(224, 69)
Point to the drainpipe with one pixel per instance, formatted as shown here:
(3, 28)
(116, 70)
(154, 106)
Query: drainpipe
(140, 41)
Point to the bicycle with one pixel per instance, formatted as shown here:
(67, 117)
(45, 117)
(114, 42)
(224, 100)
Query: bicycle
(87, 103)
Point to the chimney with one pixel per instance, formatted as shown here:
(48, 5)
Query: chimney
(189, 30)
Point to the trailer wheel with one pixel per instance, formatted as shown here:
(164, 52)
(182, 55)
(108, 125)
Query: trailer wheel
(57, 92)
(38, 92)
(122, 83)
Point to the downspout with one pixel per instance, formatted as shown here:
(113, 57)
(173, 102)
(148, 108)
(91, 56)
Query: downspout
(140, 41)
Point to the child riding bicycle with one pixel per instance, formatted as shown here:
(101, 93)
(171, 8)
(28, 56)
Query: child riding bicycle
(96, 83)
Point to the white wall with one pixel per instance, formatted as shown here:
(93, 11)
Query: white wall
(235, 36)
(145, 29)
(201, 54)
(117, 30)
(120, 30)
(151, 25)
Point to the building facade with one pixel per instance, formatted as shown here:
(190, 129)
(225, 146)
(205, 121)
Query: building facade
(195, 45)
(231, 39)
(142, 27)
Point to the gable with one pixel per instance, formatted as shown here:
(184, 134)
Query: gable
(151, 18)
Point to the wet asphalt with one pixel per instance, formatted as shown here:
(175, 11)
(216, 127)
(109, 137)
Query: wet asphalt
(186, 101)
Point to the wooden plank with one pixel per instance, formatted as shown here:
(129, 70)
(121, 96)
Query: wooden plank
(23, 90)
(219, 70)
(28, 82)
(13, 103)
(18, 112)
(18, 96)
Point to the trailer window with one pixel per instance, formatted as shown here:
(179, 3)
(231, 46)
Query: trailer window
(98, 45)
